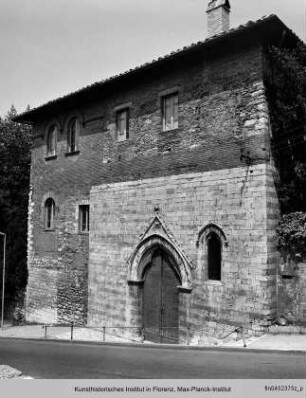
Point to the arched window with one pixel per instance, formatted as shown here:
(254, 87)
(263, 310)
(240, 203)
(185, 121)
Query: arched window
(211, 244)
(214, 251)
(73, 135)
(51, 141)
(49, 213)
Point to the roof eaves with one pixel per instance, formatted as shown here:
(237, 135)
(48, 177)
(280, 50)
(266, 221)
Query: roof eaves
(27, 117)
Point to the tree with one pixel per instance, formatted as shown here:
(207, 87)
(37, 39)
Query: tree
(286, 92)
(15, 145)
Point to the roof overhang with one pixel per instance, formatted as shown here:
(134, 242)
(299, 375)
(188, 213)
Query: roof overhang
(266, 31)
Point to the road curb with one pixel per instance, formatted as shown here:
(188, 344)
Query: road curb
(157, 346)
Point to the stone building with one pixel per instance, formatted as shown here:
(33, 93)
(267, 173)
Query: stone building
(153, 200)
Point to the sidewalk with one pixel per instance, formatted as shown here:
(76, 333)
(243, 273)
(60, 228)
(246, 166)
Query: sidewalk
(279, 341)
(270, 341)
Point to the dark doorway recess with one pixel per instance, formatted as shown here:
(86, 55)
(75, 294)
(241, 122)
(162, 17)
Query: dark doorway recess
(161, 300)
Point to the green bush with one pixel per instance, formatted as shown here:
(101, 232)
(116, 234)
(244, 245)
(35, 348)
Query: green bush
(292, 234)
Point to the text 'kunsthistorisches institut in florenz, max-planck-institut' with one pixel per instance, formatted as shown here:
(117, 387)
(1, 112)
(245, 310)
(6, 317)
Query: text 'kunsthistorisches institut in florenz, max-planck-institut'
(153, 201)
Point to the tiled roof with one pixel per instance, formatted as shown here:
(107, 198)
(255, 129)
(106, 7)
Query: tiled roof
(27, 116)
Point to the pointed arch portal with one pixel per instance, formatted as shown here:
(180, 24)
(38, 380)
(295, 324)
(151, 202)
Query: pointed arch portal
(159, 273)
(142, 256)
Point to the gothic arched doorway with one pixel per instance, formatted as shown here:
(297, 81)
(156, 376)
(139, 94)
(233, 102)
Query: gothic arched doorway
(161, 299)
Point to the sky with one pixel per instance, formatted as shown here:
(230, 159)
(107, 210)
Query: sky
(50, 48)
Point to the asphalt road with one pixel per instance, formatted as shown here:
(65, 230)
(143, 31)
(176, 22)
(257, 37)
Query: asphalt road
(57, 360)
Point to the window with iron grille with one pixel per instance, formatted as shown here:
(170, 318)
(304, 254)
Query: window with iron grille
(170, 112)
(84, 218)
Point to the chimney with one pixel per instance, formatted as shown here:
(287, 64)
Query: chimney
(218, 17)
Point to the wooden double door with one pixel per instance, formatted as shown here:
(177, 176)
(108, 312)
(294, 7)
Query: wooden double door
(161, 300)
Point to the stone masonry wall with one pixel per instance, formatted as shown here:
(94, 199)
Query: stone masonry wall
(291, 292)
(57, 282)
(235, 200)
(223, 125)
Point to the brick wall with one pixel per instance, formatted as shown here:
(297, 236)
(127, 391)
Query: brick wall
(218, 21)
(221, 103)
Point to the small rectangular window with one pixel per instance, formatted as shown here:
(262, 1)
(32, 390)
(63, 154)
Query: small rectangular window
(123, 124)
(84, 218)
(170, 112)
